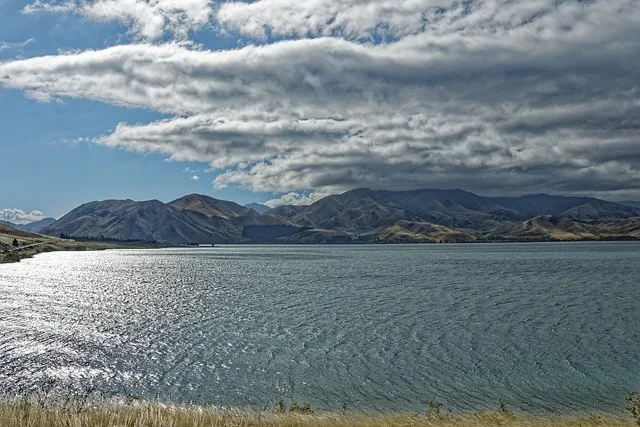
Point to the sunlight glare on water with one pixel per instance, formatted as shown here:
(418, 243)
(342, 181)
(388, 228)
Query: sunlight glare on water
(548, 327)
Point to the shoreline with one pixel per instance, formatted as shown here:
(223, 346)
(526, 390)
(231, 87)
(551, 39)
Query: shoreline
(18, 414)
(76, 246)
(79, 410)
(69, 246)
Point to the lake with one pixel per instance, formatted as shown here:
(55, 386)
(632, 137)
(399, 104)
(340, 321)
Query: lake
(549, 327)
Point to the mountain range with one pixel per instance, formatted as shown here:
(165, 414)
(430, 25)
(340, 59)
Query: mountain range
(33, 227)
(357, 216)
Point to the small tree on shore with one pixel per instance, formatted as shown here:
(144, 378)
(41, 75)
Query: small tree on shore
(15, 243)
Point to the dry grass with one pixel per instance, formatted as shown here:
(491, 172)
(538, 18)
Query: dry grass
(51, 244)
(20, 413)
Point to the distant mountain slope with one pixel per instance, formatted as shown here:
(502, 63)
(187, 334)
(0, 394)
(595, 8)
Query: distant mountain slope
(211, 207)
(634, 203)
(357, 216)
(146, 221)
(420, 232)
(286, 211)
(353, 211)
(261, 209)
(37, 226)
(623, 227)
(554, 228)
(582, 208)
(365, 209)
(33, 227)
(451, 207)
(16, 232)
(193, 218)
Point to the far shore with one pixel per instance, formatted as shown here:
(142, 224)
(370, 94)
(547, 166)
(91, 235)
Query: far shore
(59, 245)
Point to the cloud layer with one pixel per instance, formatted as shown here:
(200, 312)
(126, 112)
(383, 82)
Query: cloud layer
(148, 19)
(296, 199)
(17, 216)
(15, 46)
(493, 96)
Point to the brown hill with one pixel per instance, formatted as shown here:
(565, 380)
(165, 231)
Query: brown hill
(361, 215)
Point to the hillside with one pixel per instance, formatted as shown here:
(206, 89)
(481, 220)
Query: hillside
(354, 211)
(30, 244)
(420, 232)
(34, 227)
(190, 219)
(261, 209)
(286, 211)
(548, 228)
(357, 216)
(210, 207)
(634, 203)
(580, 208)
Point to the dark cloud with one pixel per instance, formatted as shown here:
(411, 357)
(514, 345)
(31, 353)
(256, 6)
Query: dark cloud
(493, 96)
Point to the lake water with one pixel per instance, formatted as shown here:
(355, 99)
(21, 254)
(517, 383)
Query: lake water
(546, 326)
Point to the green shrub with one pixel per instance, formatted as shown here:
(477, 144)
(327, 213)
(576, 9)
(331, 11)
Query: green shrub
(11, 257)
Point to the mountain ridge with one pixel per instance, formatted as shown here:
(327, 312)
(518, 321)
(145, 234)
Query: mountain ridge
(359, 216)
(33, 227)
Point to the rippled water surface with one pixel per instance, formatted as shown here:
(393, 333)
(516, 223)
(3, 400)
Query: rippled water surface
(548, 327)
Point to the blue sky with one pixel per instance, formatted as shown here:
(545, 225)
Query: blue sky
(286, 102)
(45, 167)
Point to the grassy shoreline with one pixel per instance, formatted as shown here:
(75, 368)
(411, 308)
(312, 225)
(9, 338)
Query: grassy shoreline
(67, 246)
(34, 413)
(31, 244)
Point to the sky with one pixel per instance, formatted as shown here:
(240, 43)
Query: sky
(277, 102)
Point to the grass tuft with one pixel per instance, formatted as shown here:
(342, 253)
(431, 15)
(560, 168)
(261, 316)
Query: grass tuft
(81, 411)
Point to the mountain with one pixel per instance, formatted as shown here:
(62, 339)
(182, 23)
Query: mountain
(363, 209)
(581, 208)
(211, 207)
(357, 216)
(286, 211)
(33, 227)
(193, 218)
(8, 230)
(634, 203)
(554, 228)
(145, 221)
(37, 226)
(261, 209)
(353, 211)
(420, 232)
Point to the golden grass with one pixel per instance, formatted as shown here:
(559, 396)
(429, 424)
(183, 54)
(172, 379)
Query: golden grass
(19, 413)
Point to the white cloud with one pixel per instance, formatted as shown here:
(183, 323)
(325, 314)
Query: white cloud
(486, 95)
(14, 46)
(297, 199)
(148, 19)
(17, 216)
(195, 178)
(353, 19)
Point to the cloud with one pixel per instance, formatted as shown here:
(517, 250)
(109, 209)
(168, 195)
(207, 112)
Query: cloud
(148, 19)
(297, 199)
(17, 216)
(352, 19)
(15, 46)
(195, 178)
(492, 96)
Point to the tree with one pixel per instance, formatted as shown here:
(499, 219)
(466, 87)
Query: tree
(15, 243)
